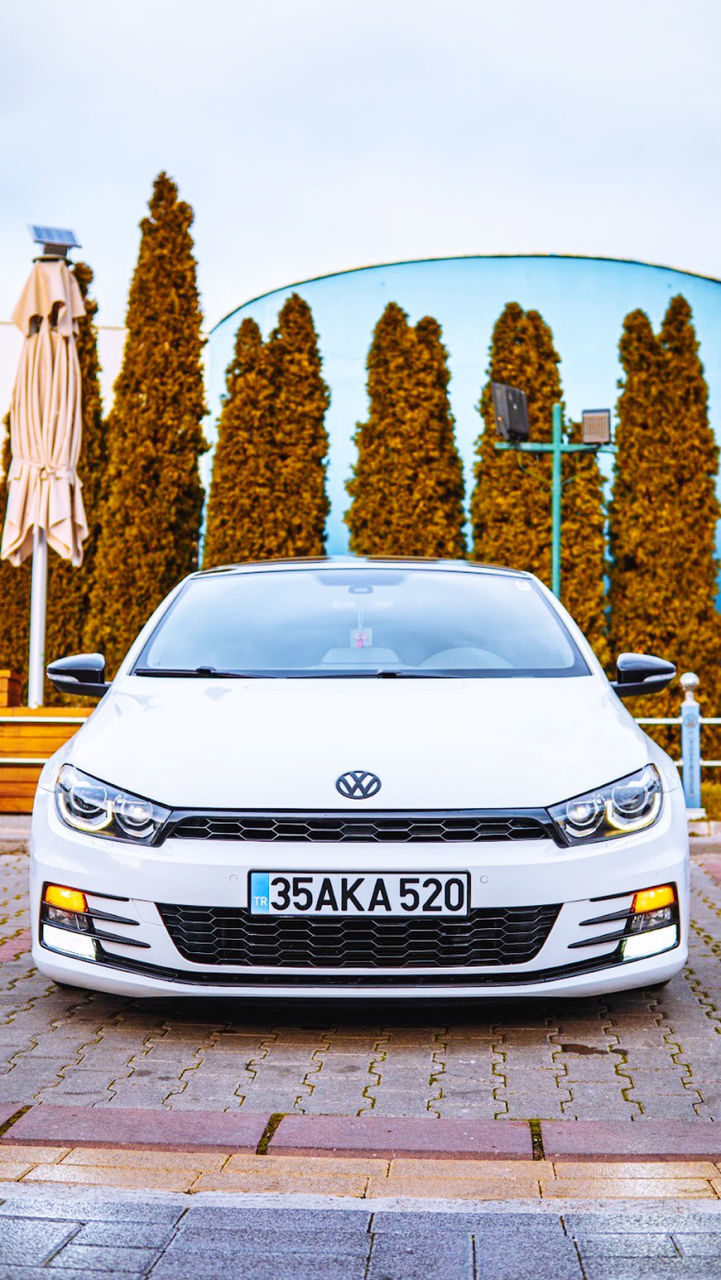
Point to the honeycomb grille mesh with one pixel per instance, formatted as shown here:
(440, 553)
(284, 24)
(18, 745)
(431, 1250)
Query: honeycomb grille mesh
(489, 936)
(374, 828)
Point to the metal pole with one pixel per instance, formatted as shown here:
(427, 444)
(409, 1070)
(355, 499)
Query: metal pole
(38, 600)
(556, 503)
(691, 741)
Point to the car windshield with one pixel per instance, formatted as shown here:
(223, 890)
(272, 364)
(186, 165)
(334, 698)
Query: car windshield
(361, 622)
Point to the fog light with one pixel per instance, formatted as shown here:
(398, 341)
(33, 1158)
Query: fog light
(649, 943)
(652, 920)
(65, 922)
(648, 899)
(653, 926)
(57, 895)
(71, 920)
(73, 944)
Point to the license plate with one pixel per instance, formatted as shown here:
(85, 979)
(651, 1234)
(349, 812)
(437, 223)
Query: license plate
(338, 893)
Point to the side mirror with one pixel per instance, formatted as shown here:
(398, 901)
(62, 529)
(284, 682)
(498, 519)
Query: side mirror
(81, 673)
(639, 674)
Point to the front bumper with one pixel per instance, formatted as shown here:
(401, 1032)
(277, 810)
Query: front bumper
(126, 881)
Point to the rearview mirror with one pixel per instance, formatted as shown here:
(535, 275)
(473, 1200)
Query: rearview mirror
(640, 674)
(80, 673)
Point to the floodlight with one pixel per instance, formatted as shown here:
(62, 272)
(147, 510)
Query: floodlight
(596, 426)
(510, 407)
(55, 241)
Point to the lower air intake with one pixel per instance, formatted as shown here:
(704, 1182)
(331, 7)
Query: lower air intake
(226, 935)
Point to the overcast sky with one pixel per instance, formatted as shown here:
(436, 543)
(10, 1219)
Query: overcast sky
(315, 135)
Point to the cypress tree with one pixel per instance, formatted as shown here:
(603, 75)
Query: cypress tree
(68, 587)
(299, 437)
(267, 496)
(664, 510)
(439, 489)
(150, 519)
(407, 484)
(583, 546)
(243, 482)
(511, 502)
(380, 439)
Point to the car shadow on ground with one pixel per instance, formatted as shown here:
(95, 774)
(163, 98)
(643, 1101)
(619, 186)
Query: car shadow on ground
(336, 1014)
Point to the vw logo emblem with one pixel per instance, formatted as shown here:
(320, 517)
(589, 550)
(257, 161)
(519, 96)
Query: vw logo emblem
(358, 784)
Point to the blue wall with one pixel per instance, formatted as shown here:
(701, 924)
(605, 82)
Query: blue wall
(584, 300)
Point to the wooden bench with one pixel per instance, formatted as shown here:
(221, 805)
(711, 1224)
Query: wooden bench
(27, 739)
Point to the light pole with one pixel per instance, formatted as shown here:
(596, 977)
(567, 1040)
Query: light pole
(597, 439)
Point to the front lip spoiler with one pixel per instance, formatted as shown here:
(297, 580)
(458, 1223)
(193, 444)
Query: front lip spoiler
(342, 980)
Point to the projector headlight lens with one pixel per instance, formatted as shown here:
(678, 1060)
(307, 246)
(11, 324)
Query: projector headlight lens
(82, 802)
(86, 804)
(618, 809)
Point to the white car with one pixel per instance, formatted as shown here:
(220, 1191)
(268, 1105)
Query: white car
(360, 778)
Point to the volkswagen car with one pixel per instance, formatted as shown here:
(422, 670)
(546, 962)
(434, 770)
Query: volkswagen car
(360, 778)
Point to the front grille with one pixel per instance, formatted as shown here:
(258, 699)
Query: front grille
(336, 827)
(489, 936)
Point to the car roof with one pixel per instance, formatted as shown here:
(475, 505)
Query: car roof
(363, 562)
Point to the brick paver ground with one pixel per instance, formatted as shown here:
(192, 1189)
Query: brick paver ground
(358, 1177)
(169, 1238)
(645, 1054)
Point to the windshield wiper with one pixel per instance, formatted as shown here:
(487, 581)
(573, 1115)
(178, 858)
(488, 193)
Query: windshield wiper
(189, 672)
(353, 673)
(397, 675)
(210, 673)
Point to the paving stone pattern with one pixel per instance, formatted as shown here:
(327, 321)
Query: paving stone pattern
(168, 1240)
(647, 1054)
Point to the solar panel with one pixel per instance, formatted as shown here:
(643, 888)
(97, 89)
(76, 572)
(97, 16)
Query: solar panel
(596, 426)
(511, 411)
(54, 240)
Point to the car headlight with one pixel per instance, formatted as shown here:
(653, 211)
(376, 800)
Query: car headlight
(86, 804)
(618, 809)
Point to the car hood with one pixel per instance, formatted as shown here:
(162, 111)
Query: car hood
(435, 744)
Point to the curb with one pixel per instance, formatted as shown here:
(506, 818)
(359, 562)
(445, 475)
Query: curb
(394, 1138)
(661, 1140)
(13, 844)
(133, 1129)
(14, 832)
(369, 1137)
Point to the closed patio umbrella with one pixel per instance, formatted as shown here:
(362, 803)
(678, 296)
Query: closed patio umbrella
(45, 506)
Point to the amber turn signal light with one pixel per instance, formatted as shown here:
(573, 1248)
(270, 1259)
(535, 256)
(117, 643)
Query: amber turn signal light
(56, 895)
(663, 895)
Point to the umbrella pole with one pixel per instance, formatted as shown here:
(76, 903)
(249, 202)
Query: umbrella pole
(38, 601)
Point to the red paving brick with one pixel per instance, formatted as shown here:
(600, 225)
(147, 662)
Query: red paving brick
(623, 1140)
(712, 864)
(389, 1137)
(11, 948)
(142, 1127)
(8, 1109)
